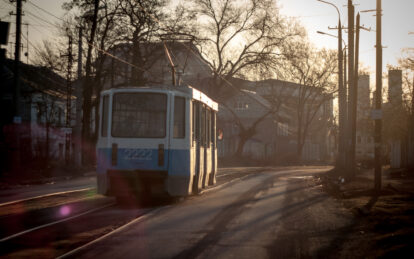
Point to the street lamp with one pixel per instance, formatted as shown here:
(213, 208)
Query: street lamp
(341, 95)
(344, 59)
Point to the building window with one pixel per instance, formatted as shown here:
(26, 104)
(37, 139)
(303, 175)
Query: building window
(241, 105)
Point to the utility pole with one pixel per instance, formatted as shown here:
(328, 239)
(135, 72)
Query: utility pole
(68, 98)
(341, 162)
(345, 99)
(341, 101)
(27, 44)
(78, 93)
(16, 80)
(354, 100)
(17, 119)
(378, 100)
(351, 89)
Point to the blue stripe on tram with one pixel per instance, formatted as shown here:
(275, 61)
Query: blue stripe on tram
(144, 159)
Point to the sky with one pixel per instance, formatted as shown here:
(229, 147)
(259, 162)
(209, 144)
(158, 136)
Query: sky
(315, 16)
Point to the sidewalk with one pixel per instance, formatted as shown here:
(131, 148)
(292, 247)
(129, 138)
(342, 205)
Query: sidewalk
(384, 225)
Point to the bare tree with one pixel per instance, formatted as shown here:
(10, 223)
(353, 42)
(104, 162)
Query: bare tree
(48, 55)
(140, 26)
(89, 18)
(313, 71)
(233, 36)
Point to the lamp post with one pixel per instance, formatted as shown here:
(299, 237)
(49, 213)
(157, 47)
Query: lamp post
(342, 102)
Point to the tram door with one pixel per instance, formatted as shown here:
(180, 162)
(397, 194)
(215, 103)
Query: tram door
(198, 146)
(207, 146)
(212, 179)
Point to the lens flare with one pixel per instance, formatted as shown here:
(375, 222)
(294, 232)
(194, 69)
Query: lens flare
(64, 211)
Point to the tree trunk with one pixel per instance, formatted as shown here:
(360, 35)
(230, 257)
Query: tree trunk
(87, 92)
(240, 146)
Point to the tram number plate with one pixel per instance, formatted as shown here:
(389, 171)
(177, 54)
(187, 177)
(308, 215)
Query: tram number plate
(138, 154)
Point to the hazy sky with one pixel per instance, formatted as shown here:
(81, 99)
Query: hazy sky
(397, 22)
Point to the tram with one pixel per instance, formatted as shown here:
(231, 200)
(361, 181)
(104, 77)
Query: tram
(159, 139)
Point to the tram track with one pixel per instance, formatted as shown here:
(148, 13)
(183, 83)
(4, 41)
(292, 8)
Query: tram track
(54, 222)
(100, 217)
(61, 236)
(44, 196)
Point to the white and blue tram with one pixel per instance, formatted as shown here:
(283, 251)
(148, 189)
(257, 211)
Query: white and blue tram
(156, 139)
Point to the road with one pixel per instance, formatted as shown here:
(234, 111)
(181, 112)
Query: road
(266, 214)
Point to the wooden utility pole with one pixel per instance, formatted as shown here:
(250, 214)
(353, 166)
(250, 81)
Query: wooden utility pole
(17, 119)
(68, 100)
(78, 92)
(351, 90)
(354, 100)
(378, 101)
(16, 80)
(341, 102)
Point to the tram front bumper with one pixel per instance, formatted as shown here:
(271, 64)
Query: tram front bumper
(133, 182)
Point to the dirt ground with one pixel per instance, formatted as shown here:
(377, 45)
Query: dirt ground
(384, 223)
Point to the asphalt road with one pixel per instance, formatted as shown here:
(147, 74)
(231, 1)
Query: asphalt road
(269, 214)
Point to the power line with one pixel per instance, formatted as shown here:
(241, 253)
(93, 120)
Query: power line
(39, 18)
(49, 13)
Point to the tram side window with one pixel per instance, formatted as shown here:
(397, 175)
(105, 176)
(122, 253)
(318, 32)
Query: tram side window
(193, 123)
(203, 126)
(212, 131)
(208, 126)
(179, 117)
(104, 119)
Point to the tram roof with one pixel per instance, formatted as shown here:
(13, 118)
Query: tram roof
(188, 90)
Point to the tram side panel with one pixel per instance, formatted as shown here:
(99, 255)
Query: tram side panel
(214, 148)
(180, 167)
(103, 153)
(208, 156)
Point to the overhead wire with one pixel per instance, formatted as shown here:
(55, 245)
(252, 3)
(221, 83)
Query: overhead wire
(60, 93)
(197, 55)
(93, 45)
(42, 9)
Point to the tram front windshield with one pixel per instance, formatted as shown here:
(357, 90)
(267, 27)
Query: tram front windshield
(139, 115)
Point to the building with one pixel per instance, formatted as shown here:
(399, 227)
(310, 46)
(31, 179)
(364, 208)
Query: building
(40, 134)
(269, 109)
(154, 67)
(395, 127)
(365, 125)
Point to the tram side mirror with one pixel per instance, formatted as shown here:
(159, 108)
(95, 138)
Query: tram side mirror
(220, 134)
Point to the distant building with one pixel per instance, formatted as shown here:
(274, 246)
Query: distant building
(364, 126)
(395, 126)
(275, 138)
(155, 68)
(43, 114)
